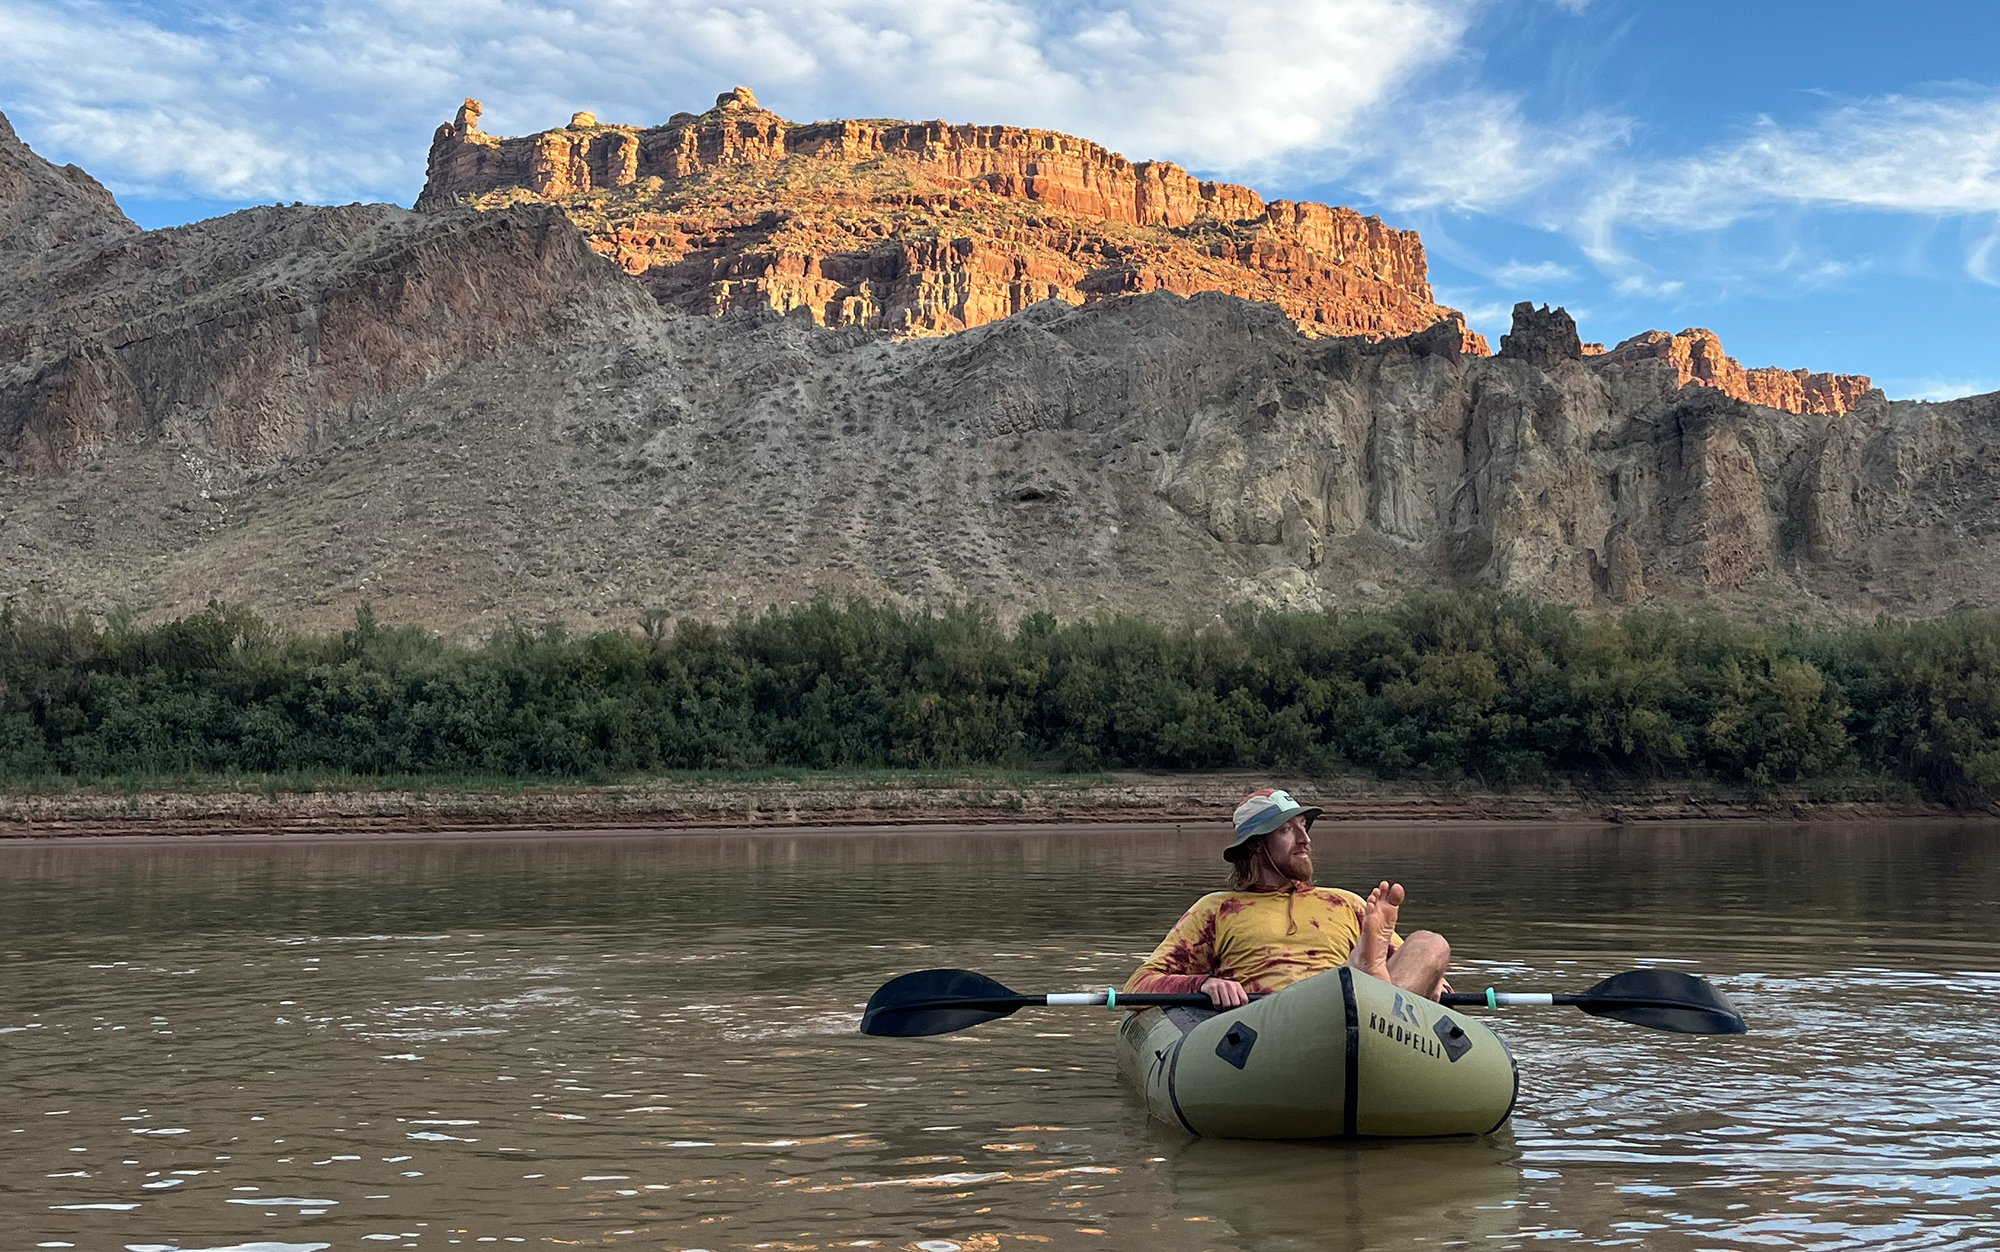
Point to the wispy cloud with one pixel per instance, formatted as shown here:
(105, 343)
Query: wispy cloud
(317, 100)
(1591, 180)
(1640, 285)
(1936, 157)
(1936, 388)
(1983, 261)
(1474, 151)
(1896, 153)
(1234, 85)
(1526, 274)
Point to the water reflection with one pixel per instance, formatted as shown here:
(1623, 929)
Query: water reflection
(1342, 1196)
(649, 1042)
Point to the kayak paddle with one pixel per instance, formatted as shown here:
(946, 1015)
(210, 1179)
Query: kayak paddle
(1659, 999)
(940, 1001)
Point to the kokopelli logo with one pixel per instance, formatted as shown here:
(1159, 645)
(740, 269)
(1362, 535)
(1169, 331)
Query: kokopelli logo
(1403, 1011)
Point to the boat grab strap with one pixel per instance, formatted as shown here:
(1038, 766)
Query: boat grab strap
(1173, 1067)
(1351, 1110)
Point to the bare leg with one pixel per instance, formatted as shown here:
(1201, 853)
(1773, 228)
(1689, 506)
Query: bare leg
(1419, 965)
(1378, 923)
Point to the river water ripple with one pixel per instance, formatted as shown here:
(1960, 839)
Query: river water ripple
(649, 1042)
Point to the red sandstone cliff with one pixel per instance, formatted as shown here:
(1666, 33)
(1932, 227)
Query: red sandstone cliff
(927, 227)
(1697, 357)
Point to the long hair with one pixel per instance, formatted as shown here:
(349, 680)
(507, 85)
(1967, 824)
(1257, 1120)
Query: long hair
(1243, 866)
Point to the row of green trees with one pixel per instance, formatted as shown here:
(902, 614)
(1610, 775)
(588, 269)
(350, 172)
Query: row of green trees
(1501, 689)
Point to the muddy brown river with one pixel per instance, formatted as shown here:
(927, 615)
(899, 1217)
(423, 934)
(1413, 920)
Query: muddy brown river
(634, 1041)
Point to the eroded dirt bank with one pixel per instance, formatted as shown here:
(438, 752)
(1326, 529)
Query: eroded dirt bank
(711, 803)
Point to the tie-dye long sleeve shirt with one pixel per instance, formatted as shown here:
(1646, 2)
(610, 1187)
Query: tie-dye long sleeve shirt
(1265, 940)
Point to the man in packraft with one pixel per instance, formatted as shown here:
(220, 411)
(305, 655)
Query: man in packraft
(1273, 927)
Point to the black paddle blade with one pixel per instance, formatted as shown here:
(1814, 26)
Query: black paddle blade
(937, 1002)
(1664, 999)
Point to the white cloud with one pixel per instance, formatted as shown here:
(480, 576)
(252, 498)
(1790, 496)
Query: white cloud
(1980, 262)
(314, 99)
(1474, 152)
(1936, 388)
(1524, 273)
(1233, 85)
(1935, 157)
(1639, 285)
(1477, 152)
(1905, 155)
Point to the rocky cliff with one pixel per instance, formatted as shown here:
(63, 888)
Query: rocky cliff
(245, 336)
(927, 227)
(1697, 357)
(469, 418)
(45, 209)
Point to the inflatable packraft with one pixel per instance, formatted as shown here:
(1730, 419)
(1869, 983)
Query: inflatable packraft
(1340, 1053)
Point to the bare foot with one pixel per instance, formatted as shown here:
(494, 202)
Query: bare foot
(1378, 922)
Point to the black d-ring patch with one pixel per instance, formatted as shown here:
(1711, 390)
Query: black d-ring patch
(1452, 1035)
(1236, 1044)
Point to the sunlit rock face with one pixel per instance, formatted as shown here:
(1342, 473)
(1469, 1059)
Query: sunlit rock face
(1697, 357)
(928, 228)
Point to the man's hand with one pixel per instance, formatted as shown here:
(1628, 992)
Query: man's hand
(1225, 993)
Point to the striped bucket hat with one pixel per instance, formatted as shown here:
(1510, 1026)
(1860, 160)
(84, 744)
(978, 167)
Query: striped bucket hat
(1263, 812)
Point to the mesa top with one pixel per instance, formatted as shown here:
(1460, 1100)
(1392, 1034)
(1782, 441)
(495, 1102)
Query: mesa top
(1265, 940)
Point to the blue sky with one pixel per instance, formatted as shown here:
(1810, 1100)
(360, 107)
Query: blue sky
(1818, 183)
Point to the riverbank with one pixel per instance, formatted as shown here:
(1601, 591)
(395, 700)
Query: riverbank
(1461, 685)
(710, 801)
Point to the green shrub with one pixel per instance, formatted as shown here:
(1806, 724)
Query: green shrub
(1496, 688)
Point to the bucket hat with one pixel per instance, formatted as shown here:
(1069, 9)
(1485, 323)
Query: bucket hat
(1263, 812)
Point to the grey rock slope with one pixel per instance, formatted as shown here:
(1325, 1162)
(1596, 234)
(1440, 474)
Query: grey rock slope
(245, 334)
(45, 207)
(467, 419)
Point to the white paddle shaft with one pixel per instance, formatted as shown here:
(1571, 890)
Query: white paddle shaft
(1500, 999)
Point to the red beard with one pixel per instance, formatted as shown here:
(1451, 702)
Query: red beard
(1298, 867)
